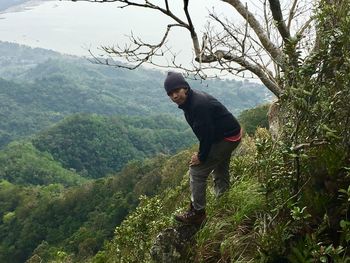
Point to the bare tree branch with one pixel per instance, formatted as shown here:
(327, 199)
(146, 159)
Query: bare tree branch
(300, 32)
(251, 46)
(274, 51)
(220, 55)
(266, 19)
(191, 29)
(313, 143)
(141, 52)
(275, 7)
(291, 14)
(167, 5)
(147, 4)
(243, 46)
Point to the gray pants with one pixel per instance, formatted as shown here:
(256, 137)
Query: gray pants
(218, 162)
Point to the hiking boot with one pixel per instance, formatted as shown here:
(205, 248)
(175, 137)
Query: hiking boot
(192, 216)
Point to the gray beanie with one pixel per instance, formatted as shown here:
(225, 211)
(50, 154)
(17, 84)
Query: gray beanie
(174, 81)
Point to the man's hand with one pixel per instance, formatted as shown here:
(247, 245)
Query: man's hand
(194, 159)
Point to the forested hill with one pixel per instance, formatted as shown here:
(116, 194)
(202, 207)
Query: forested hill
(94, 146)
(75, 139)
(289, 197)
(91, 146)
(39, 87)
(49, 223)
(50, 208)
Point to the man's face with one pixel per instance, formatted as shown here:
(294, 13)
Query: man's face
(178, 95)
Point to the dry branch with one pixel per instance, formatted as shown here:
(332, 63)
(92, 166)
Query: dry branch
(236, 49)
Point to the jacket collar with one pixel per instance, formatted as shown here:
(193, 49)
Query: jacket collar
(187, 101)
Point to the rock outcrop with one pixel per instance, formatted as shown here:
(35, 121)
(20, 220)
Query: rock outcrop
(172, 245)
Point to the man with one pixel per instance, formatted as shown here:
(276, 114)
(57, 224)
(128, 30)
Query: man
(218, 132)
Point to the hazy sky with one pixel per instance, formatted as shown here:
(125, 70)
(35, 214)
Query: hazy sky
(75, 27)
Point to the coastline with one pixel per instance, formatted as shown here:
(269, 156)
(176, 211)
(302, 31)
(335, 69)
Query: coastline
(26, 5)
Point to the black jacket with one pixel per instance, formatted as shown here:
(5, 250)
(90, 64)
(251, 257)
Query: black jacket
(209, 120)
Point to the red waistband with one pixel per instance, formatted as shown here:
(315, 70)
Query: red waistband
(234, 138)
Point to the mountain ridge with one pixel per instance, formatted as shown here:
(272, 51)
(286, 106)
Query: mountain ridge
(40, 87)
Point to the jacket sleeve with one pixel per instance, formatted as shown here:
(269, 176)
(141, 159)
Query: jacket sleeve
(203, 127)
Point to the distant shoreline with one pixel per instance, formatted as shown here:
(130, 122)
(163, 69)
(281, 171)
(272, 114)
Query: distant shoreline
(25, 5)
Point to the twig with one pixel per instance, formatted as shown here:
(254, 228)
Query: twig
(314, 143)
(291, 14)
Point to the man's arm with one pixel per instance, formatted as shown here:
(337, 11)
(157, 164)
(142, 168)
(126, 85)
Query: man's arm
(204, 129)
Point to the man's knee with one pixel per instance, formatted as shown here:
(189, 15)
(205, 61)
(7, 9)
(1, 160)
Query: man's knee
(199, 171)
